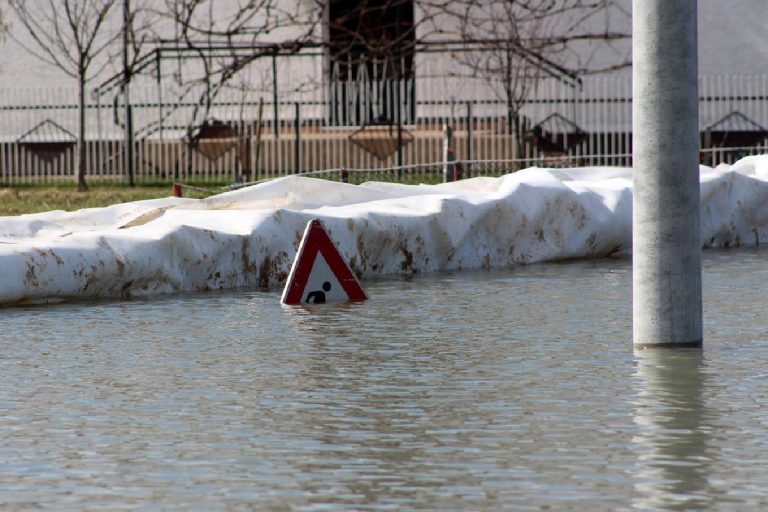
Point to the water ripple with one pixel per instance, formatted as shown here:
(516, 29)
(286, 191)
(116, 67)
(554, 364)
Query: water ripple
(483, 391)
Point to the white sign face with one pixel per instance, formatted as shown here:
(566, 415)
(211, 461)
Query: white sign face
(322, 284)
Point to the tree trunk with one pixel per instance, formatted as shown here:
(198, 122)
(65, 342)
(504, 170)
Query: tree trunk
(81, 147)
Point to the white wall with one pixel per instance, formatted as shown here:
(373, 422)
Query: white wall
(732, 40)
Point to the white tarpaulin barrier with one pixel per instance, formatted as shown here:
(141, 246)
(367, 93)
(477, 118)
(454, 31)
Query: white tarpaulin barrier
(247, 238)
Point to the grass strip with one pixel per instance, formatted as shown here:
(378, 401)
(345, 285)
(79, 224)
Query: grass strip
(34, 199)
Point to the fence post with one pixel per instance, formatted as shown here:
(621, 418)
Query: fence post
(399, 108)
(297, 149)
(449, 154)
(470, 122)
(130, 142)
(275, 108)
(257, 163)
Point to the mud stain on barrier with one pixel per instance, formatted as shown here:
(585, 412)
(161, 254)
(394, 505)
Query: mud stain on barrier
(297, 239)
(282, 266)
(125, 290)
(614, 250)
(92, 276)
(30, 276)
(273, 270)
(248, 265)
(591, 241)
(53, 255)
(559, 238)
(407, 264)
(354, 267)
(440, 245)
(264, 272)
(579, 214)
(362, 265)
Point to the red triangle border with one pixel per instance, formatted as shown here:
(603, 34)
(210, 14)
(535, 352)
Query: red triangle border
(316, 240)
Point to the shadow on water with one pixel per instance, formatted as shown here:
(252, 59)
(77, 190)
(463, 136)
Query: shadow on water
(673, 442)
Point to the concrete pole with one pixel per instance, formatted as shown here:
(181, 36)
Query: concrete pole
(666, 233)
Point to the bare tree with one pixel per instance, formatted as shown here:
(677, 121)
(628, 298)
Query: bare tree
(509, 43)
(224, 39)
(564, 32)
(518, 42)
(74, 36)
(137, 33)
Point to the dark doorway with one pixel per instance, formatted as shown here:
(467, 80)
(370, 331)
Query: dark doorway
(376, 33)
(371, 50)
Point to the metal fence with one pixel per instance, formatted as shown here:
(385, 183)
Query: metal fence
(247, 135)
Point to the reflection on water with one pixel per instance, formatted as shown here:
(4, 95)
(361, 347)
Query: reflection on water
(673, 442)
(468, 391)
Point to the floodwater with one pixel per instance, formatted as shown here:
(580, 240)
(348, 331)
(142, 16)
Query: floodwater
(498, 390)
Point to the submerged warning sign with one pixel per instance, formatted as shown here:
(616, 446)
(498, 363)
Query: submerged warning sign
(319, 273)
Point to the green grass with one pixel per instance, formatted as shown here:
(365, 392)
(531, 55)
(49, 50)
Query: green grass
(32, 199)
(22, 199)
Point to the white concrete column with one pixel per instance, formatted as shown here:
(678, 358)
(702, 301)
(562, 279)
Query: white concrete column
(666, 233)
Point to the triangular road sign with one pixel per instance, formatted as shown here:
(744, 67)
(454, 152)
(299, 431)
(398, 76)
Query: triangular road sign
(319, 273)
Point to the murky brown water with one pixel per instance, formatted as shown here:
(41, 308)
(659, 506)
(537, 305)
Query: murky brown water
(482, 391)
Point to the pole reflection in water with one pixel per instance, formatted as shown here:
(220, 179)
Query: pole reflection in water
(673, 443)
